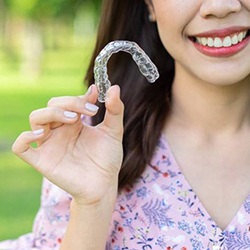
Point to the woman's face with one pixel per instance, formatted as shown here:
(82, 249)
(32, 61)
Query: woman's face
(209, 39)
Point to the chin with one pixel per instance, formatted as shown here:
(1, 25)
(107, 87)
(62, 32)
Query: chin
(219, 79)
(224, 76)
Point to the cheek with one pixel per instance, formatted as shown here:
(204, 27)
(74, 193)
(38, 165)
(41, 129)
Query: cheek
(169, 29)
(246, 4)
(171, 36)
(173, 17)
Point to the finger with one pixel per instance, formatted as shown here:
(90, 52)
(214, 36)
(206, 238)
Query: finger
(114, 110)
(51, 117)
(80, 104)
(22, 148)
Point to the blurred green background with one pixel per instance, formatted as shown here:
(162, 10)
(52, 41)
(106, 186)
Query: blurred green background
(45, 47)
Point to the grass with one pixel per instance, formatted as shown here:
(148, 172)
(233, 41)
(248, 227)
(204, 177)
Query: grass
(20, 185)
(19, 192)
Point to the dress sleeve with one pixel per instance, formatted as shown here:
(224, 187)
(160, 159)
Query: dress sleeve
(50, 222)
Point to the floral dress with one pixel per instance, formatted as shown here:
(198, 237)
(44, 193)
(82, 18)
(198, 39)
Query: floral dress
(160, 211)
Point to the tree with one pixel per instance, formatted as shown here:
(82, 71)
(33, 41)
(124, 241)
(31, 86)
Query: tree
(37, 14)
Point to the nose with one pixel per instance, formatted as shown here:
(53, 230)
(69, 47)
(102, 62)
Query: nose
(219, 8)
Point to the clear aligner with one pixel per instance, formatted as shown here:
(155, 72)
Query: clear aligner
(146, 66)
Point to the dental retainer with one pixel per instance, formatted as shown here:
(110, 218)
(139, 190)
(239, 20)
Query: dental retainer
(145, 65)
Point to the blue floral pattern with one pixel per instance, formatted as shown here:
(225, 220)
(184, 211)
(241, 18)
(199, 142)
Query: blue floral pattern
(238, 240)
(161, 211)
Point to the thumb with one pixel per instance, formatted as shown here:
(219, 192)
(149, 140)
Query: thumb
(114, 110)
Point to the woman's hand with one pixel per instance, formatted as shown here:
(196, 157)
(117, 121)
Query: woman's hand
(83, 160)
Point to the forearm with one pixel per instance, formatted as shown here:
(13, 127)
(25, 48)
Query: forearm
(88, 226)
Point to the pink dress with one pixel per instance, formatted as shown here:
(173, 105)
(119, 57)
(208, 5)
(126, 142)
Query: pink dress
(161, 211)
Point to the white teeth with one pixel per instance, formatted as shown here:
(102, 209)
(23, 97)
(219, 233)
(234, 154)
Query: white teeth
(210, 42)
(235, 39)
(240, 37)
(227, 42)
(218, 42)
(204, 41)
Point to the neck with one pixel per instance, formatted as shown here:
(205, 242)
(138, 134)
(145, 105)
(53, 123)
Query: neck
(211, 108)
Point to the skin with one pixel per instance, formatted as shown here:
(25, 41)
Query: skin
(194, 17)
(210, 109)
(83, 160)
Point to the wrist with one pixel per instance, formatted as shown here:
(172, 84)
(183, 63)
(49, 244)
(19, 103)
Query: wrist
(108, 200)
(89, 223)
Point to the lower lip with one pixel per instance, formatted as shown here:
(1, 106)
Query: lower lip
(223, 51)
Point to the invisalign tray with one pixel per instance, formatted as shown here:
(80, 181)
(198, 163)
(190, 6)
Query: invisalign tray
(146, 66)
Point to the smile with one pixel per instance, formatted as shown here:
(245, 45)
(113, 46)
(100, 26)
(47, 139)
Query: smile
(219, 42)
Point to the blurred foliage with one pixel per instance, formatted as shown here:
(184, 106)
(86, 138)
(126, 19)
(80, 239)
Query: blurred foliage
(29, 27)
(42, 9)
(20, 185)
(58, 36)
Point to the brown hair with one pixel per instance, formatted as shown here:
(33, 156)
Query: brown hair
(146, 105)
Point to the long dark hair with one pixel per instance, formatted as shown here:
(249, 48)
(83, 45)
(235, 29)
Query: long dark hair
(146, 105)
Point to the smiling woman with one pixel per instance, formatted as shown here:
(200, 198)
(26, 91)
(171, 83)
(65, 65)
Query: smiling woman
(161, 166)
(206, 29)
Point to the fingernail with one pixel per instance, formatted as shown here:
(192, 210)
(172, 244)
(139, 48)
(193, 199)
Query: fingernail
(89, 91)
(38, 131)
(114, 87)
(91, 107)
(69, 114)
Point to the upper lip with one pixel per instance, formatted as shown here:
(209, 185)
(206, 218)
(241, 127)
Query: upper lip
(222, 32)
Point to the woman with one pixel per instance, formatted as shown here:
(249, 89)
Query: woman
(192, 196)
